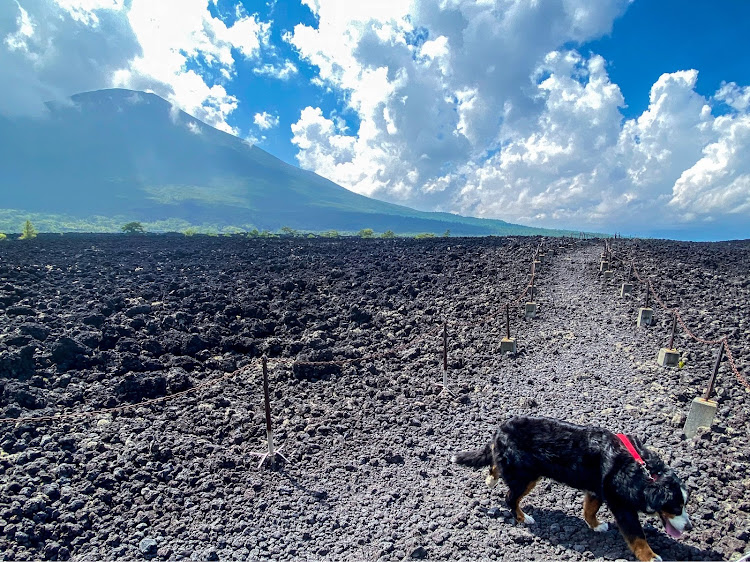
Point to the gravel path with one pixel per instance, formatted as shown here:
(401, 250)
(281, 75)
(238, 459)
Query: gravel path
(368, 442)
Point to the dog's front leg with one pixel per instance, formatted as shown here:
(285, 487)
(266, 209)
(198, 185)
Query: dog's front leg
(632, 532)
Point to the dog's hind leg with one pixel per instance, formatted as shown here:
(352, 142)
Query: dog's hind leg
(632, 532)
(517, 489)
(591, 504)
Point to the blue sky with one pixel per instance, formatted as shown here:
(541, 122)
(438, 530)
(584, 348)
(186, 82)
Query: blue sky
(611, 115)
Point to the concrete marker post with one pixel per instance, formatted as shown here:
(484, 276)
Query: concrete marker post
(507, 344)
(627, 286)
(645, 313)
(530, 308)
(703, 409)
(668, 356)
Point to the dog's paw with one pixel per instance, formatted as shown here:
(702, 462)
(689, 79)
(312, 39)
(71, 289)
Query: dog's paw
(601, 527)
(528, 519)
(656, 558)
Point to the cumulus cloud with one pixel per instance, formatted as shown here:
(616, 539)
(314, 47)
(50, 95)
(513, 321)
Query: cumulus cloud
(181, 53)
(474, 107)
(279, 71)
(265, 120)
(434, 90)
(51, 49)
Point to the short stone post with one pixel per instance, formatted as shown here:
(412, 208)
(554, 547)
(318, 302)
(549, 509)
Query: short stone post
(530, 310)
(507, 344)
(703, 410)
(668, 356)
(645, 313)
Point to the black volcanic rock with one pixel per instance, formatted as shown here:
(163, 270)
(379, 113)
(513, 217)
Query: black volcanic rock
(354, 368)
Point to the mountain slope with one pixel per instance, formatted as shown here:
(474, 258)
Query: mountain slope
(128, 155)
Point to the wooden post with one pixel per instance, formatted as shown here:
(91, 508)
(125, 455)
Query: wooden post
(674, 324)
(272, 451)
(445, 354)
(267, 400)
(712, 380)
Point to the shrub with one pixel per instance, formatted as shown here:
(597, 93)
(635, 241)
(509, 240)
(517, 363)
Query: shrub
(133, 228)
(191, 232)
(330, 234)
(388, 234)
(366, 233)
(424, 235)
(288, 231)
(447, 233)
(29, 231)
(2, 236)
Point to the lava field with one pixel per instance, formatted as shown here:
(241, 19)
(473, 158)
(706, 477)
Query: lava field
(133, 416)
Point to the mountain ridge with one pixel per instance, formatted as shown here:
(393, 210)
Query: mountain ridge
(114, 156)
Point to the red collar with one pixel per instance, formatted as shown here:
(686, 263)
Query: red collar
(631, 449)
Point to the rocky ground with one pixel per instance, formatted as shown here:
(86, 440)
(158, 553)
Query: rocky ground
(89, 323)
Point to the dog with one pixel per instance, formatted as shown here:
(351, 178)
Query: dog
(612, 468)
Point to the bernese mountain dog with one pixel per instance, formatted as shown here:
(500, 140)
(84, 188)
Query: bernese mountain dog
(611, 468)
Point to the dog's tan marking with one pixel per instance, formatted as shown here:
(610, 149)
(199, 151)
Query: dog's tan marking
(521, 517)
(591, 505)
(493, 477)
(641, 549)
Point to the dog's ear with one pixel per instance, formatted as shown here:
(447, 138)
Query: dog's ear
(656, 495)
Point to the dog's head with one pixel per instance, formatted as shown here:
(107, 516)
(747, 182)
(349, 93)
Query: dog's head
(667, 496)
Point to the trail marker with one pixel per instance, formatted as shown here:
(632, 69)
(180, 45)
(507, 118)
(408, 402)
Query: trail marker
(703, 409)
(271, 454)
(668, 356)
(507, 344)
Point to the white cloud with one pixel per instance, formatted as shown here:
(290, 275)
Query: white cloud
(280, 72)
(719, 182)
(170, 44)
(51, 49)
(437, 103)
(471, 107)
(265, 120)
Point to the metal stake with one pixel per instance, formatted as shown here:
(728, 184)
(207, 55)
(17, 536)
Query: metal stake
(712, 380)
(674, 324)
(648, 285)
(271, 454)
(507, 320)
(445, 347)
(445, 360)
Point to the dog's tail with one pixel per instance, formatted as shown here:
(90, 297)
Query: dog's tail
(476, 458)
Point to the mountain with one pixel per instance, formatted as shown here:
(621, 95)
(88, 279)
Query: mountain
(114, 156)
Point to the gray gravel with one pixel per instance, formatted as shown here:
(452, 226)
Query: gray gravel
(94, 322)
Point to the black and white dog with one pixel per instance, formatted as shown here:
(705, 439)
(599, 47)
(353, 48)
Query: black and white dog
(609, 467)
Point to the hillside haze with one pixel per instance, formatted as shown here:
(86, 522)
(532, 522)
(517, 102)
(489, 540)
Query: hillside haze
(125, 155)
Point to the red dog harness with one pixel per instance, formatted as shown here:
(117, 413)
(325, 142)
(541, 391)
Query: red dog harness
(631, 449)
